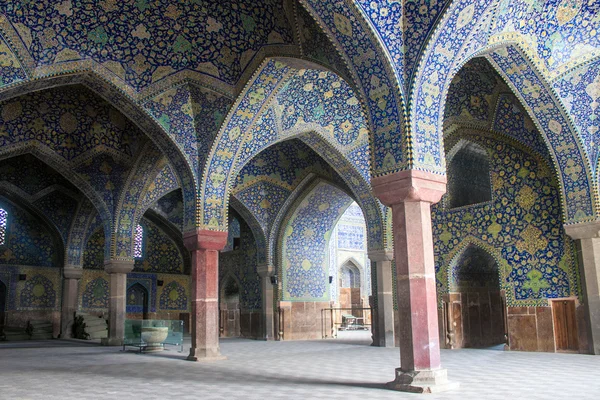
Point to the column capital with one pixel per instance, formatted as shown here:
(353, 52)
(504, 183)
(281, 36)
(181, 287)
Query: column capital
(381, 255)
(265, 270)
(72, 272)
(583, 230)
(123, 266)
(409, 185)
(203, 239)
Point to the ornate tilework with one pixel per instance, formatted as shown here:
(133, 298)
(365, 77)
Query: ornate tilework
(580, 93)
(129, 211)
(170, 206)
(521, 227)
(70, 120)
(93, 255)
(558, 32)
(29, 242)
(37, 293)
(160, 254)
(375, 76)
(76, 242)
(165, 182)
(10, 67)
(148, 281)
(351, 237)
(143, 42)
(564, 141)
(60, 208)
(173, 297)
(432, 79)
(95, 295)
(305, 241)
(317, 46)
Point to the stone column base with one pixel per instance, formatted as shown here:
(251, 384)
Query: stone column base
(432, 381)
(111, 342)
(204, 355)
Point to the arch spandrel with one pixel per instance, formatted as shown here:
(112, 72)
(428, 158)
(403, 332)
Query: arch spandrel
(344, 141)
(578, 189)
(378, 81)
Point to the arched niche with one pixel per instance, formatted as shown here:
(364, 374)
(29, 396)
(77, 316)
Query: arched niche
(468, 175)
(476, 311)
(229, 304)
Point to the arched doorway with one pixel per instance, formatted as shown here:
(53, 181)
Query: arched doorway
(230, 308)
(476, 311)
(137, 300)
(350, 279)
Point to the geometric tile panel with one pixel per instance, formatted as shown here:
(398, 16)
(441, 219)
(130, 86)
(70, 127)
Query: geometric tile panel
(433, 79)
(521, 227)
(562, 137)
(580, 94)
(376, 79)
(143, 42)
(558, 32)
(28, 241)
(304, 270)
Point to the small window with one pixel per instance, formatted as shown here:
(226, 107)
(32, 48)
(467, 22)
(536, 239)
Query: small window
(139, 242)
(469, 176)
(3, 217)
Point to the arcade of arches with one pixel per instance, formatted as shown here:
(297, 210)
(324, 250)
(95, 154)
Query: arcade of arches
(243, 166)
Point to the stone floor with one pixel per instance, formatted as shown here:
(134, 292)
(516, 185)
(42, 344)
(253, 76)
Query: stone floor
(329, 369)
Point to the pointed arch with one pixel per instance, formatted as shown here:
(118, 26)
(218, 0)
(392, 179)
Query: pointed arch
(128, 106)
(302, 245)
(259, 120)
(257, 231)
(16, 200)
(445, 273)
(129, 208)
(379, 80)
(462, 34)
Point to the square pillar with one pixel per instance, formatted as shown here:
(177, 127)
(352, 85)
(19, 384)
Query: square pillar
(587, 236)
(410, 195)
(118, 270)
(266, 272)
(71, 275)
(204, 246)
(383, 316)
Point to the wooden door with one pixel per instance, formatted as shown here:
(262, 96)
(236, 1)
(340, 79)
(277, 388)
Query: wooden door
(565, 325)
(457, 325)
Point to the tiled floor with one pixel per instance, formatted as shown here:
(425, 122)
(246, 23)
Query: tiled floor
(280, 370)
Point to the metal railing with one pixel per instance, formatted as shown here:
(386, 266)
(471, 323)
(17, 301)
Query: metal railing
(334, 320)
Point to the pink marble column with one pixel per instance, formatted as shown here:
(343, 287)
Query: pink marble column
(204, 246)
(71, 275)
(587, 236)
(118, 270)
(266, 271)
(383, 317)
(410, 195)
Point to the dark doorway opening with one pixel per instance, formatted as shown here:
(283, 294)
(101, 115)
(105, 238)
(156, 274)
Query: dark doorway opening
(137, 300)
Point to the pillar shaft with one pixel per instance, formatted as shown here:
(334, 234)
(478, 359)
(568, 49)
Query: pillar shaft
(383, 318)
(69, 299)
(587, 236)
(415, 279)
(204, 247)
(118, 270)
(410, 195)
(265, 272)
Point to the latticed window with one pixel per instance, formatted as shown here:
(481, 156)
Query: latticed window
(3, 215)
(139, 242)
